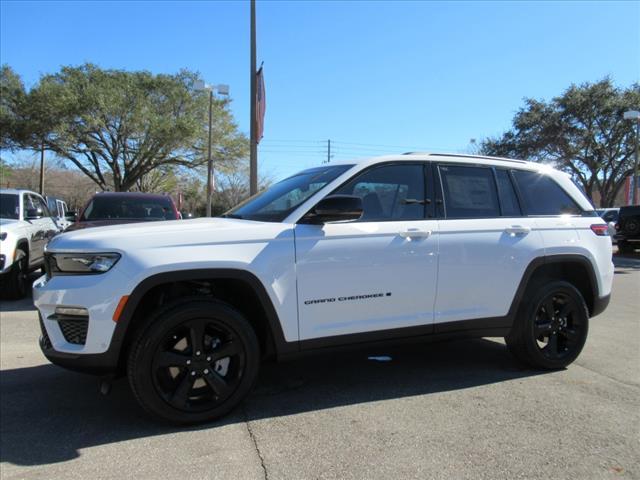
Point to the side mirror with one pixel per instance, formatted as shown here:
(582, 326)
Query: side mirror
(34, 213)
(71, 216)
(336, 208)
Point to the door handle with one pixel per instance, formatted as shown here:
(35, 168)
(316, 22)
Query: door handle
(415, 233)
(517, 230)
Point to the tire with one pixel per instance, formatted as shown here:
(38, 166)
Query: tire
(14, 282)
(550, 341)
(625, 248)
(193, 362)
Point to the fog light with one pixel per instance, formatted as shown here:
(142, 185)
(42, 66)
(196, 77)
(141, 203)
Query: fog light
(73, 311)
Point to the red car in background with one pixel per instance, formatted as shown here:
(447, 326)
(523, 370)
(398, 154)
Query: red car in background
(112, 208)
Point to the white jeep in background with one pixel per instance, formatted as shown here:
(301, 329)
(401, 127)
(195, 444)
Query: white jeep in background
(389, 249)
(25, 227)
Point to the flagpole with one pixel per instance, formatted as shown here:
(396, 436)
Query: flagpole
(253, 143)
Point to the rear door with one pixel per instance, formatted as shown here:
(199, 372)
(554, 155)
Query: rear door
(485, 244)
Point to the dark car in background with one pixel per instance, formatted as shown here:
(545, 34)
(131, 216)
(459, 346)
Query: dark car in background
(112, 208)
(628, 229)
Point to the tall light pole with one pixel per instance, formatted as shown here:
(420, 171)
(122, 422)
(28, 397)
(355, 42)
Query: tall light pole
(635, 115)
(253, 128)
(222, 90)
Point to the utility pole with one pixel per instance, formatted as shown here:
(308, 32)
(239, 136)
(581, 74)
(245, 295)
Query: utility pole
(42, 168)
(634, 115)
(328, 151)
(209, 159)
(253, 143)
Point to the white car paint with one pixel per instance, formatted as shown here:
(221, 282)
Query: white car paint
(424, 264)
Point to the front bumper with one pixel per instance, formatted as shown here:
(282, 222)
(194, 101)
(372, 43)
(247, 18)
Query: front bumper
(94, 349)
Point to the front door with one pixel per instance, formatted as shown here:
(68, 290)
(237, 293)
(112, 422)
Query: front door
(379, 272)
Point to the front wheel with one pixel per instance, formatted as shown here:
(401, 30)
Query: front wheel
(551, 328)
(194, 362)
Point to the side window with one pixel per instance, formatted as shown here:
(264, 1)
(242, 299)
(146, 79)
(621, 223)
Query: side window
(39, 203)
(542, 196)
(469, 192)
(27, 204)
(392, 192)
(508, 198)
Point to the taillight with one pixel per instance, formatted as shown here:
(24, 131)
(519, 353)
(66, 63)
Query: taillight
(600, 230)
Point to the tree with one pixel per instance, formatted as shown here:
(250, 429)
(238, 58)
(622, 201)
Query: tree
(120, 128)
(581, 132)
(12, 95)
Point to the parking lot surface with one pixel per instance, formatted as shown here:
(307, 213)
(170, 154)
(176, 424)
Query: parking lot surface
(457, 410)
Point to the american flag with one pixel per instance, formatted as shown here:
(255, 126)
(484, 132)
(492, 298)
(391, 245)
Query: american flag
(261, 104)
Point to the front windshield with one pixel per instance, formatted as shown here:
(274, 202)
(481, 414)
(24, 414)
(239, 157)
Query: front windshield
(9, 206)
(277, 202)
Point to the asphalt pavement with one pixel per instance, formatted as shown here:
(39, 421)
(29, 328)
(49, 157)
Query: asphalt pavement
(456, 410)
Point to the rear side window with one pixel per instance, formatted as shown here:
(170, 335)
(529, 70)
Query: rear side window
(469, 192)
(542, 196)
(508, 198)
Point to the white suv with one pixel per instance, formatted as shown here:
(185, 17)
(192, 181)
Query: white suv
(388, 249)
(25, 227)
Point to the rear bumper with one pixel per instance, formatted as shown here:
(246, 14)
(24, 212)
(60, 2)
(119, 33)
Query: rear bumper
(600, 304)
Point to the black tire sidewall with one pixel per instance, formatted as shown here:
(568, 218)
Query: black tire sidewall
(526, 339)
(140, 360)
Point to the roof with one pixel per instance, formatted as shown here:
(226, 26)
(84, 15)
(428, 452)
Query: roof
(446, 157)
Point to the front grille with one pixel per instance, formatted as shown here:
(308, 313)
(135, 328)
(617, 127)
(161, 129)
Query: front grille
(74, 330)
(44, 339)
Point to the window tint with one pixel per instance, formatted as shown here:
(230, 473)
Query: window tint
(389, 192)
(128, 207)
(508, 198)
(469, 192)
(542, 196)
(9, 206)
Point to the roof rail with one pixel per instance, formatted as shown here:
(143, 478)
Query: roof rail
(484, 157)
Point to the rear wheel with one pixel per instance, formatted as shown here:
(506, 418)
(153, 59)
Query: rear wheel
(14, 282)
(551, 328)
(194, 362)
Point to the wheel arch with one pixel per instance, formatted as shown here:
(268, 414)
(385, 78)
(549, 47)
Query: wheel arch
(574, 268)
(247, 294)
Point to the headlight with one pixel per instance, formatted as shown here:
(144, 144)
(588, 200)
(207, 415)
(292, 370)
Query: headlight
(80, 263)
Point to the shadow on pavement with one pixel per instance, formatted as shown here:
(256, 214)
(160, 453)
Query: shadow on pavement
(49, 414)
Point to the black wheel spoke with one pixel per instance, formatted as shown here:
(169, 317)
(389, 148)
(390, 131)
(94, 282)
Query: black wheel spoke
(542, 329)
(196, 336)
(228, 349)
(181, 394)
(217, 383)
(170, 359)
(552, 345)
(566, 310)
(570, 333)
(549, 308)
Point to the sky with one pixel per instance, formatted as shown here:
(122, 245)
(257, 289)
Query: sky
(373, 77)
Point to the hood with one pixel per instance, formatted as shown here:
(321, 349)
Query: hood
(165, 234)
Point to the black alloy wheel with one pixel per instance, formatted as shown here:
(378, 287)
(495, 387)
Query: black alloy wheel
(558, 326)
(551, 326)
(193, 361)
(199, 365)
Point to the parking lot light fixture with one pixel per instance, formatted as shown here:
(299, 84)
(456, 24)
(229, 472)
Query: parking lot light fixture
(222, 90)
(634, 115)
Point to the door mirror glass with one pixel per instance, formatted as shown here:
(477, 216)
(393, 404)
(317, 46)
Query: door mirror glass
(71, 216)
(335, 208)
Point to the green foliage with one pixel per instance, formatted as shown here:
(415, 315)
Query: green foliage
(126, 130)
(582, 132)
(12, 95)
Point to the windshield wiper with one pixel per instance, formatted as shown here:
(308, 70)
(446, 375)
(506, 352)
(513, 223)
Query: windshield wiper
(231, 215)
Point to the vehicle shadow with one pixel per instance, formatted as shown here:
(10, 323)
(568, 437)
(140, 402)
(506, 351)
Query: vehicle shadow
(49, 414)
